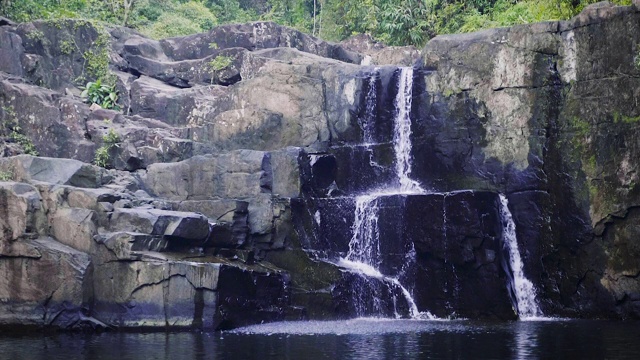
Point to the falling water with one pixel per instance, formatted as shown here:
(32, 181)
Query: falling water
(370, 110)
(525, 293)
(402, 132)
(364, 248)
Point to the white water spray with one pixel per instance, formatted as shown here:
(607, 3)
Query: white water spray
(525, 292)
(364, 246)
(402, 133)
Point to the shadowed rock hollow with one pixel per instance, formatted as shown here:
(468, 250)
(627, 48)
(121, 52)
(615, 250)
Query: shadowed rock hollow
(230, 193)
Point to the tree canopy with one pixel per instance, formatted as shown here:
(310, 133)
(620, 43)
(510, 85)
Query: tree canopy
(394, 22)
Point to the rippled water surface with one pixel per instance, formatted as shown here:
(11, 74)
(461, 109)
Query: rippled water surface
(353, 339)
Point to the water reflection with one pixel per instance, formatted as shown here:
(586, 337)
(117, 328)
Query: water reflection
(526, 340)
(355, 339)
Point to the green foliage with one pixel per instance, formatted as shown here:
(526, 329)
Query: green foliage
(230, 11)
(97, 57)
(38, 36)
(102, 94)
(28, 10)
(396, 22)
(6, 175)
(170, 25)
(148, 11)
(102, 157)
(110, 141)
(220, 62)
(67, 47)
(295, 13)
(111, 138)
(197, 13)
(618, 117)
(15, 132)
(464, 18)
(580, 126)
(183, 19)
(404, 22)
(119, 12)
(23, 140)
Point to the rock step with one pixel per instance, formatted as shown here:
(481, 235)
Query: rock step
(130, 245)
(177, 224)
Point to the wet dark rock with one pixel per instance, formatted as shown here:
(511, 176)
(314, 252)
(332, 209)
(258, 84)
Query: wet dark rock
(250, 297)
(222, 235)
(358, 296)
(459, 256)
(457, 239)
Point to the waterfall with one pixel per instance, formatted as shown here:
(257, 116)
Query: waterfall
(370, 109)
(402, 132)
(364, 250)
(364, 247)
(525, 292)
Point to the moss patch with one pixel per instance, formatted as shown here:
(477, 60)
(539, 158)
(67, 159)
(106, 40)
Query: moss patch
(621, 118)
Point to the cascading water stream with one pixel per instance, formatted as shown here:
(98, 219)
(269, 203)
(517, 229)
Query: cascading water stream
(364, 248)
(525, 292)
(402, 133)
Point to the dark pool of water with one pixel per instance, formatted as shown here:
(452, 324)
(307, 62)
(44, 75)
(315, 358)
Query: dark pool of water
(353, 339)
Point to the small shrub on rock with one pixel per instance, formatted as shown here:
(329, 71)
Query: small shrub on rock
(98, 93)
(103, 154)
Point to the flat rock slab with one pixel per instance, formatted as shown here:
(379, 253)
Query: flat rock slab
(185, 225)
(27, 168)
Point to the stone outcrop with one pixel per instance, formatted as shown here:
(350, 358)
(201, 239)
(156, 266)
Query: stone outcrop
(85, 257)
(229, 193)
(546, 112)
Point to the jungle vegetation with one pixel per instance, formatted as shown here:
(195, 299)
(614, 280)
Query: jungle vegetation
(394, 22)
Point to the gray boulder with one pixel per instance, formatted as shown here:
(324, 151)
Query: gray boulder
(50, 291)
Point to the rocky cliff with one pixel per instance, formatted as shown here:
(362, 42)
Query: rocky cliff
(548, 114)
(227, 188)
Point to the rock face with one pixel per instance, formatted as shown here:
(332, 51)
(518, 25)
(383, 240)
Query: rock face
(546, 113)
(231, 188)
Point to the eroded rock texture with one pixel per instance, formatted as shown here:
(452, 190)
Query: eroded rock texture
(229, 196)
